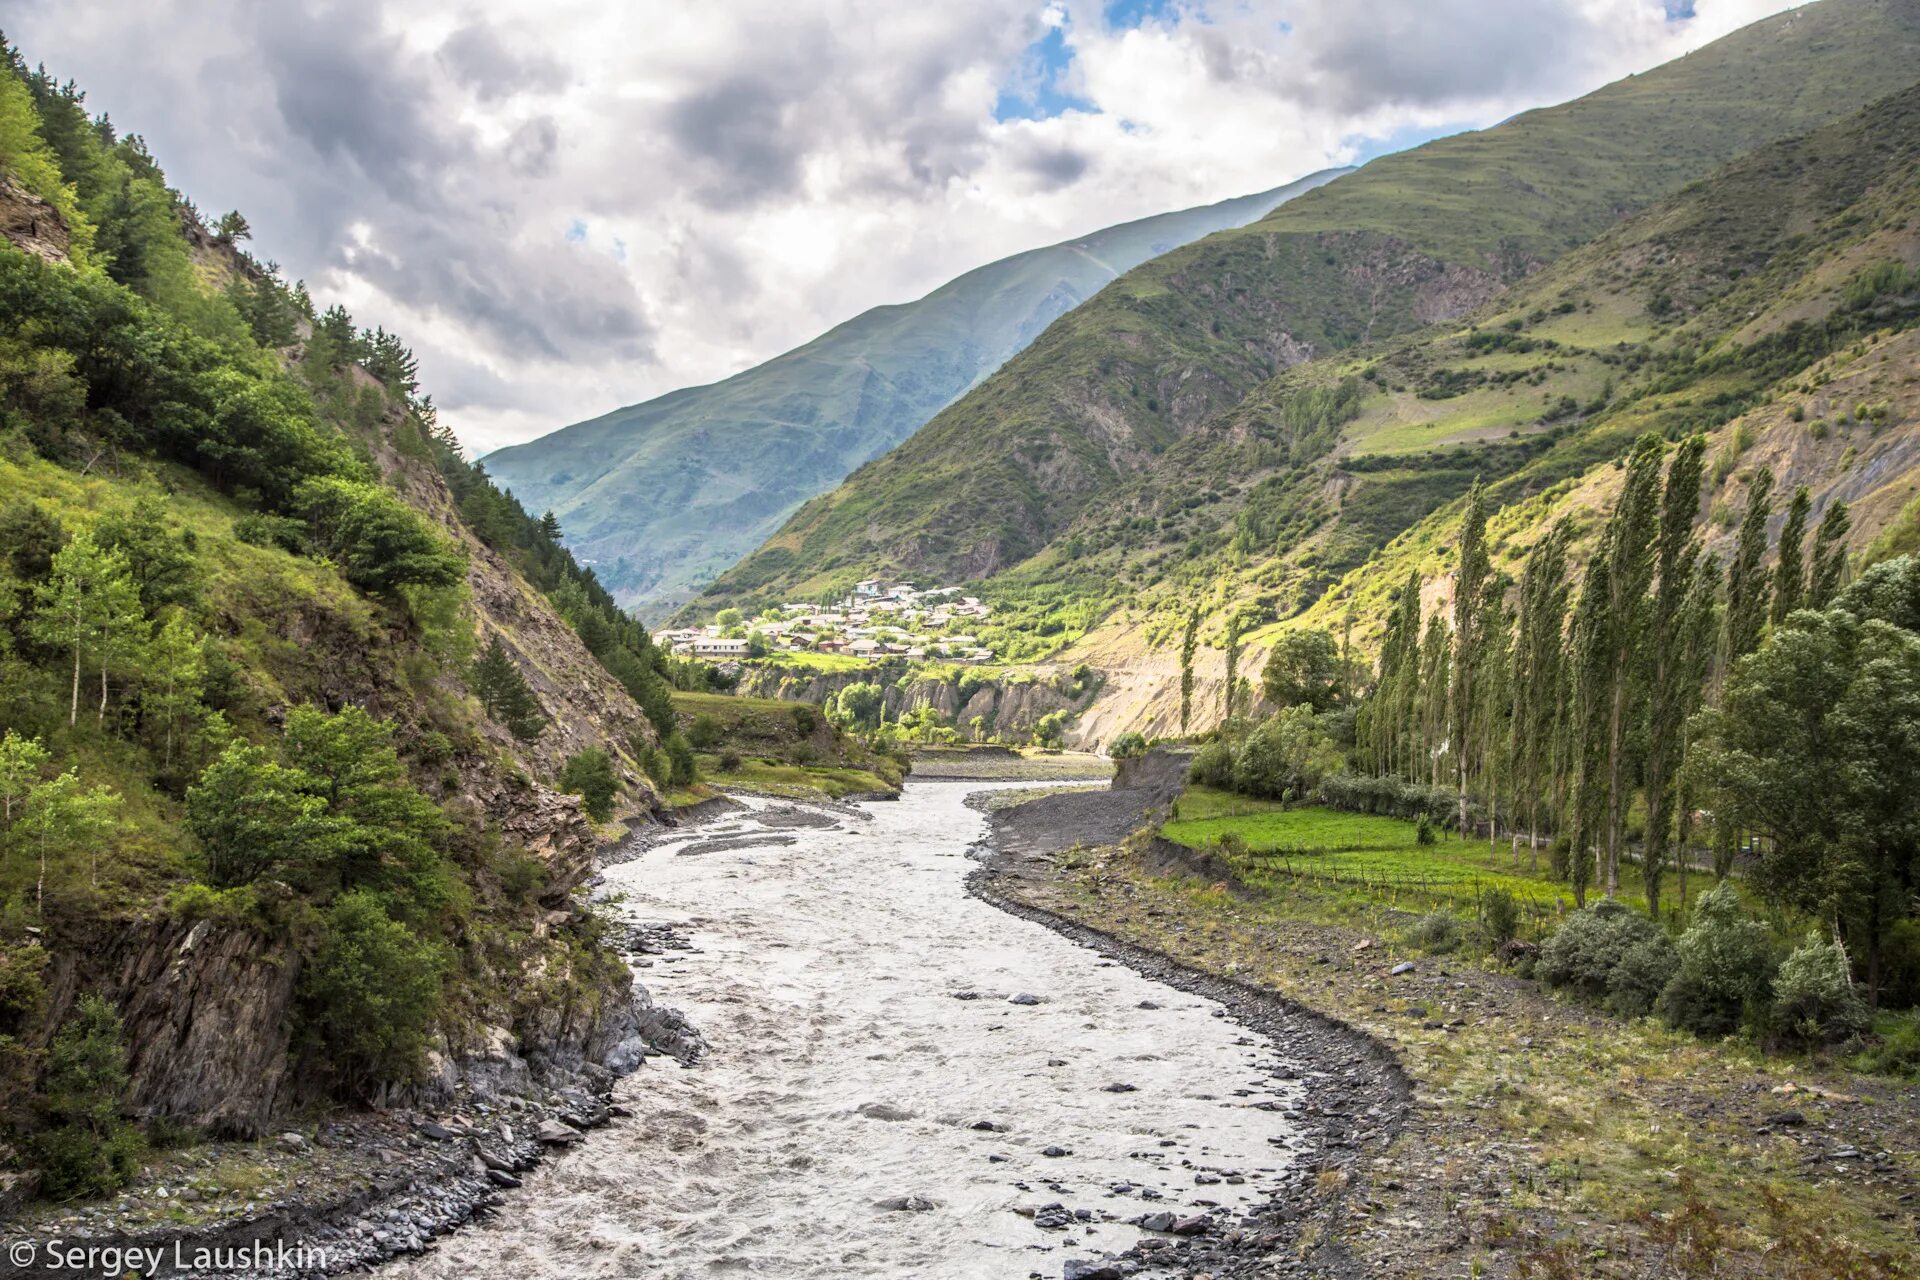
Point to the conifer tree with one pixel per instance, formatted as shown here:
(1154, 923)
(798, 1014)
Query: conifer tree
(1829, 567)
(1467, 604)
(503, 691)
(1789, 573)
(1672, 682)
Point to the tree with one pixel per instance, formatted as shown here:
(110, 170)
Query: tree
(1303, 669)
(59, 816)
(1538, 661)
(89, 607)
(372, 992)
(589, 774)
(1789, 574)
(728, 620)
(1630, 573)
(1681, 600)
(550, 526)
(1286, 755)
(1236, 621)
(1746, 585)
(85, 1145)
(253, 815)
(1815, 747)
(380, 543)
(232, 228)
(1586, 725)
(21, 761)
(1829, 567)
(1472, 574)
(504, 692)
(1189, 644)
(175, 680)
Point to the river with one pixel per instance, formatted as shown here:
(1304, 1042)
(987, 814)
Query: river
(846, 1072)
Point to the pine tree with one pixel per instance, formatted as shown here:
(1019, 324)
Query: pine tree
(1472, 575)
(1790, 574)
(550, 526)
(1189, 644)
(1829, 568)
(503, 691)
(1672, 682)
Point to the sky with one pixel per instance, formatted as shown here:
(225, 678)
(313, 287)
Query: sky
(565, 207)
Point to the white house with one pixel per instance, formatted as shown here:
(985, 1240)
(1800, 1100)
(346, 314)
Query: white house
(719, 647)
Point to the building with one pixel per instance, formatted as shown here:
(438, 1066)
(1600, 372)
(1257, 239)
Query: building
(719, 647)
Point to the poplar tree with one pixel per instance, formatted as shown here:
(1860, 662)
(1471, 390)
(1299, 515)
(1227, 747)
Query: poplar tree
(1189, 644)
(1746, 582)
(1467, 585)
(1789, 572)
(1673, 684)
(1629, 574)
(1538, 661)
(1235, 621)
(90, 607)
(1592, 661)
(1829, 557)
(1493, 678)
(1431, 736)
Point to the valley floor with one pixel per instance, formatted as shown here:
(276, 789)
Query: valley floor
(1544, 1140)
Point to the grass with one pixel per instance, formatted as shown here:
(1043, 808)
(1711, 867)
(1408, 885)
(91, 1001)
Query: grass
(775, 756)
(797, 782)
(826, 663)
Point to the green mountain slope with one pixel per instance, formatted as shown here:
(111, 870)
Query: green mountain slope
(1771, 306)
(663, 496)
(1410, 240)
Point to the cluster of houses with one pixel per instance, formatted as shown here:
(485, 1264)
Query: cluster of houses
(880, 619)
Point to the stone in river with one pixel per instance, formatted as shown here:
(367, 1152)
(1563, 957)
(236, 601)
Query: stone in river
(905, 1204)
(1119, 1087)
(438, 1132)
(1055, 1151)
(989, 1126)
(1082, 1269)
(884, 1111)
(501, 1178)
(555, 1133)
(1196, 1225)
(1023, 998)
(1162, 1221)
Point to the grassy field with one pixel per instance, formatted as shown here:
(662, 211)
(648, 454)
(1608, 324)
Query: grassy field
(778, 748)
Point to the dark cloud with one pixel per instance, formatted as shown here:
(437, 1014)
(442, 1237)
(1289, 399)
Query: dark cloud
(738, 133)
(490, 70)
(1056, 166)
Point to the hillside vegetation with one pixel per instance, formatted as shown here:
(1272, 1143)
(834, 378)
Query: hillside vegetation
(663, 496)
(290, 698)
(1411, 240)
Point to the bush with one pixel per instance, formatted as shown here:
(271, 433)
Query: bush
(1499, 917)
(729, 761)
(589, 775)
(1642, 974)
(805, 721)
(1813, 997)
(1437, 933)
(372, 993)
(1423, 831)
(704, 732)
(1898, 1050)
(262, 530)
(1726, 964)
(1583, 953)
(86, 1146)
(683, 772)
(1212, 766)
(1128, 746)
(1287, 752)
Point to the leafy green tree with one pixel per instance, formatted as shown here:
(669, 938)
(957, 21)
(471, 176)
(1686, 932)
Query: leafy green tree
(59, 817)
(380, 543)
(1286, 755)
(1829, 567)
(160, 559)
(1815, 747)
(90, 608)
(252, 815)
(1586, 723)
(85, 1145)
(1303, 669)
(1790, 573)
(859, 705)
(1538, 662)
(1189, 645)
(1682, 604)
(1467, 582)
(372, 993)
(589, 774)
(1629, 575)
(1236, 622)
(21, 762)
(1128, 746)
(505, 694)
(684, 772)
(173, 682)
(232, 228)
(1747, 587)
(728, 620)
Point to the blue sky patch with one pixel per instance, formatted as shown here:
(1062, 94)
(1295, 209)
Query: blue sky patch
(1038, 95)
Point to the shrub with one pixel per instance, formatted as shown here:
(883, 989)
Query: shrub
(1232, 844)
(1726, 963)
(86, 1147)
(704, 732)
(589, 775)
(1583, 953)
(1437, 933)
(1128, 746)
(263, 530)
(729, 760)
(1898, 1051)
(372, 992)
(1499, 917)
(1643, 973)
(683, 773)
(805, 720)
(1813, 997)
(1287, 752)
(1423, 832)
(1212, 766)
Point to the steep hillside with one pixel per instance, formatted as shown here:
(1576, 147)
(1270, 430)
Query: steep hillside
(1410, 240)
(292, 702)
(1769, 305)
(662, 497)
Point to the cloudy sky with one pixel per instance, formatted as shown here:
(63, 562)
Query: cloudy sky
(570, 206)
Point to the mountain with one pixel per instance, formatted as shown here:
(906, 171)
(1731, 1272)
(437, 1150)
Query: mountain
(661, 497)
(1410, 240)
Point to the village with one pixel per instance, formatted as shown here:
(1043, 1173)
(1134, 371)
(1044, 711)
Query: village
(879, 619)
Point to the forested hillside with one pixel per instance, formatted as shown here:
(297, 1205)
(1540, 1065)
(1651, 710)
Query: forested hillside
(1411, 240)
(290, 698)
(663, 497)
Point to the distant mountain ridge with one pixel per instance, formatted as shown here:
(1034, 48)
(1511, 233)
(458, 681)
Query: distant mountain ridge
(1412, 239)
(662, 497)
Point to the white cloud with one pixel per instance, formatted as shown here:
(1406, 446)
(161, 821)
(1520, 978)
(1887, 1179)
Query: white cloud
(738, 177)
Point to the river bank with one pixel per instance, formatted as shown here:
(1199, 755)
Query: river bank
(1543, 1138)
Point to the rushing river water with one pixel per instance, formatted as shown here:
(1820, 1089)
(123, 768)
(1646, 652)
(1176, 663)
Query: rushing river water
(845, 1072)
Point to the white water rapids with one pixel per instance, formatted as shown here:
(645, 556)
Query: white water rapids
(824, 976)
